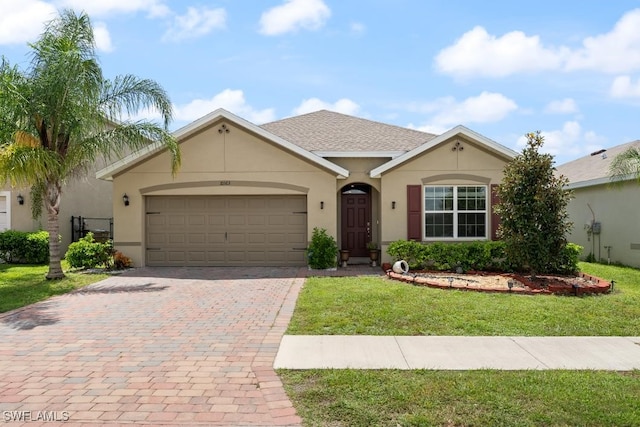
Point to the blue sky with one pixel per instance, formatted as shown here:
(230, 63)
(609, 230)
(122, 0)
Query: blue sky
(570, 69)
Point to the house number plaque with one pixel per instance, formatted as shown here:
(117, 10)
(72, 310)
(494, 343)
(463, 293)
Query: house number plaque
(225, 182)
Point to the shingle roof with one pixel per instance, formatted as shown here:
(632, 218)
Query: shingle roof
(330, 131)
(593, 167)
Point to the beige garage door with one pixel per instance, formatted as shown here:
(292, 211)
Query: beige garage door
(226, 230)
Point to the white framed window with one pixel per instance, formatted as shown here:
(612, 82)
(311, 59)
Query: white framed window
(455, 212)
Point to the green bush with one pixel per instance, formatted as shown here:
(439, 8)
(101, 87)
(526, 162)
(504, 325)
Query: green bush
(478, 255)
(20, 247)
(322, 253)
(87, 253)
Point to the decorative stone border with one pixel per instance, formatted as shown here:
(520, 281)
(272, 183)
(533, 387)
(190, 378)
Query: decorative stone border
(589, 285)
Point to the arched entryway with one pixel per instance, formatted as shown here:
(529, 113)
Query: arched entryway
(356, 219)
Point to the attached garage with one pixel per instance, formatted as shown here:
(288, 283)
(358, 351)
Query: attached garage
(253, 230)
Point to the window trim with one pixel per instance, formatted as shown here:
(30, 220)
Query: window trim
(455, 212)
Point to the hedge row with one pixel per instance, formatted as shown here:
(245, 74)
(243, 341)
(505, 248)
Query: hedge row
(20, 247)
(479, 256)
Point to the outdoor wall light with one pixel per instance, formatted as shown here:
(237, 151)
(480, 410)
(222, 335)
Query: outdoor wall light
(321, 205)
(393, 204)
(20, 199)
(125, 199)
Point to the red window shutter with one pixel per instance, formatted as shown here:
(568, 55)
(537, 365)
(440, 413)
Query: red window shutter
(414, 212)
(495, 219)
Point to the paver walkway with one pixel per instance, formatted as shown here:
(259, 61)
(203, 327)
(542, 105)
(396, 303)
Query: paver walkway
(156, 346)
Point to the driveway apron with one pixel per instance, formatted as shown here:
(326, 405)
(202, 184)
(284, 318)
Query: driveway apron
(162, 346)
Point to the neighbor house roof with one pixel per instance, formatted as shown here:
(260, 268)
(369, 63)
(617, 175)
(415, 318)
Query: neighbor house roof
(458, 130)
(593, 169)
(332, 134)
(184, 132)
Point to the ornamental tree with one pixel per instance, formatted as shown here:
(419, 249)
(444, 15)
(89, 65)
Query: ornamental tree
(533, 209)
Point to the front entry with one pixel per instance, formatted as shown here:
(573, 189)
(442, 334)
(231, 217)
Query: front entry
(356, 219)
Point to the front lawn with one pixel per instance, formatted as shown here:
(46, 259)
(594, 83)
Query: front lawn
(470, 398)
(375, 306)
(378, 306)
(22, 285)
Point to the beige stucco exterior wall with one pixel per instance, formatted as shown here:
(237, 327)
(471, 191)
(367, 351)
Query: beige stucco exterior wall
(87, 197)
(475, 164)
(214, 163)
(616, 208)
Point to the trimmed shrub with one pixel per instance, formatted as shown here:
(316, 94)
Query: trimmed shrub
(322, 253)
(477, 255)
(20, 247)
(87, 253)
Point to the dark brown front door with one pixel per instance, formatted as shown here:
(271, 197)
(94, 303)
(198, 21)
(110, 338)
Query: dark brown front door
(356, 223)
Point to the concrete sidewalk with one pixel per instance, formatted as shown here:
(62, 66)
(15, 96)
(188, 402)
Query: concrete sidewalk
(457, 353)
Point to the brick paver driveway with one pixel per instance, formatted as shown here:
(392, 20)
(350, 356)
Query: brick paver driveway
(156, 346)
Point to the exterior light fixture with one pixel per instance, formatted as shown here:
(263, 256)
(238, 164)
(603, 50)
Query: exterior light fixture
(510, 285)
(393, 204)
(450, 279)
(321, 205)
(125, 199)
(20, 199)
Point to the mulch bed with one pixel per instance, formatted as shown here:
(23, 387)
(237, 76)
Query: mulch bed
(581, 284)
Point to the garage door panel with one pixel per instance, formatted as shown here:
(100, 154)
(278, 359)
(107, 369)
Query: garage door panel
(277, 220)
(217, 220)
(175, 204)
(176, 220)
(197, 220)
(255, 220)
(298, 239)
(197, 257)
(256, 238)
(226, 230)
(237, 219)
(176, 239)
(215, 238)
(236, 238)
(197, 239)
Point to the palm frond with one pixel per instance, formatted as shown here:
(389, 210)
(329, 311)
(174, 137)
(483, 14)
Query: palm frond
(133, 94)
(24, 166)
(625, 165)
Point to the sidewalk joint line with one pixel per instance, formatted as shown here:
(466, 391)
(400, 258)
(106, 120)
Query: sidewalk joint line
(513, 339)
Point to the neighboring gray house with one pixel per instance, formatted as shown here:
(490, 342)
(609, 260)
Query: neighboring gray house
(604, 216)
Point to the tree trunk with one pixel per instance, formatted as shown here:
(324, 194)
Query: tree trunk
(52, 206)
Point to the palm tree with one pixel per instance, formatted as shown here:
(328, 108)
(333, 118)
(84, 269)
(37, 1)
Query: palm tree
(61, 115)
(625, 165)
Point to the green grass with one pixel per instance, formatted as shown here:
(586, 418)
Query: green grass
(22, 285)
(378, 306)
(473, 398)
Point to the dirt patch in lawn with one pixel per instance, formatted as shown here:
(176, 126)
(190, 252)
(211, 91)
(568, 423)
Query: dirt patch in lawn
(580, 284)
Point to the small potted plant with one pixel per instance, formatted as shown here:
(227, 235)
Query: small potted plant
(373, 252)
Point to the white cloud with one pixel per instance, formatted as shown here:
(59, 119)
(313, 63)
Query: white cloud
(22, 21)
(484, 108)
(357, 28)
(294, 15)
(102, 37)
(617, 51)
(477, 53)
(197, 22)
(561, 106)
(155, 8)
(623, 87)
(569, 142)
(344, 106)
(229, 99)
